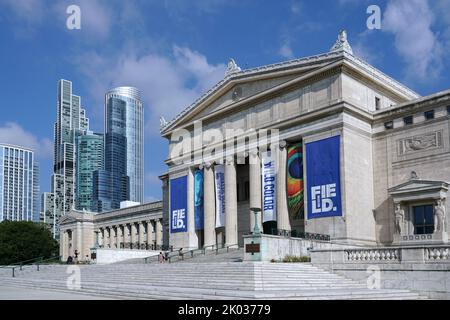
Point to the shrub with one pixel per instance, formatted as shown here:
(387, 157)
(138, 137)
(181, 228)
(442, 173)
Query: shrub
(296, 259)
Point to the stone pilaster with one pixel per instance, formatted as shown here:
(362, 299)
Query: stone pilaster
(282, 206)
(209, 201)
(255, 186)
(231, 235)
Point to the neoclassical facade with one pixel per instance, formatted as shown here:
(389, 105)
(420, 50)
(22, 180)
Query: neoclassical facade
(323, 145)
(139, 227)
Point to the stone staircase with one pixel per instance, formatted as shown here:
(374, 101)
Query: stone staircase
(206, 280)
(232, 255)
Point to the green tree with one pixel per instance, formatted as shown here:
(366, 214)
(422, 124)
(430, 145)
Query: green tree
(23, 240)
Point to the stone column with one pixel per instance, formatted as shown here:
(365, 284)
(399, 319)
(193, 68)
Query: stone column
(159, 230)
(282, 207)
(65, 250)
(101, 233)
(150, 230)
(126, 238)
(209, 201)
(141, 235)
(119, 235)
(193, 239)
(79, 240)
(133, 237)
(231, 236)
(113, 235)
(255, 187)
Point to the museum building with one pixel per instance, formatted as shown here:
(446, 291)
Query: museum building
(325, 146)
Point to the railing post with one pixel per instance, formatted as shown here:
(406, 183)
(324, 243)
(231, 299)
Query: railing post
(13, 272)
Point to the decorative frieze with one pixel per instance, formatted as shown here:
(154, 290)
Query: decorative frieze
(420, 143)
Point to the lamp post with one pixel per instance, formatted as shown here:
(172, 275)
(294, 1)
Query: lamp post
(256, 229)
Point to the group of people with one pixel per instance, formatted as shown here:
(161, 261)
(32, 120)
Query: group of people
(163, 257)
(75, 260)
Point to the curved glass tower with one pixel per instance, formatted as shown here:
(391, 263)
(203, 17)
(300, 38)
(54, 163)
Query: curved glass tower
(124, 146)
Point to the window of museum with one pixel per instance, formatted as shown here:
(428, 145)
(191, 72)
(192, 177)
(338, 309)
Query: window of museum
(389, 125)
(423, 219)
(408, 120)
(377, 103)
(448, 110)
(429, 115)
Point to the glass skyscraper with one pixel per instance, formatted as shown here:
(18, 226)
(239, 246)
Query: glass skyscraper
(89, 158)
(19, 184)
(71, 122)
(123, 175)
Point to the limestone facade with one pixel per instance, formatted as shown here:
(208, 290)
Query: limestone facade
(138, 228)
(394, 149)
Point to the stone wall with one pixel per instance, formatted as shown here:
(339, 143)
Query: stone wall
(107, 256)
(425, 269)
(277, 248)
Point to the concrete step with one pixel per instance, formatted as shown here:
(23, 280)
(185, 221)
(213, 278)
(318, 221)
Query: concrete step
(212, 280)
(180, 293)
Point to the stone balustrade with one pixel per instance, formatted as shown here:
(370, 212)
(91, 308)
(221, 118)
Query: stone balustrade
(393, 255)
(370, 255)
(437, 254)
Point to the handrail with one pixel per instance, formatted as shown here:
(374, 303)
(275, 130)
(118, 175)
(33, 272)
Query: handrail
(35, 262)
(192, 252)
(22, 263)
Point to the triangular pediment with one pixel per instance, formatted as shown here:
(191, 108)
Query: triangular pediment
(418, 185)
(246, 84)
(69, 218)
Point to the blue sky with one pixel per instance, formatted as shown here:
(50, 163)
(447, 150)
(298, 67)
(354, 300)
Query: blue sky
(174, 50)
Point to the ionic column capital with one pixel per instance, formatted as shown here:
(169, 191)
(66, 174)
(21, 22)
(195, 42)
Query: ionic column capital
(229, 160)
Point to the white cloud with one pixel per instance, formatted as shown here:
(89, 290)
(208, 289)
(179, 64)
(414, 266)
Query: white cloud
(296, 7)
(168, 83)
(411, 23)
(286, 51)
(30, 11)
(12, 133)
(363, 49)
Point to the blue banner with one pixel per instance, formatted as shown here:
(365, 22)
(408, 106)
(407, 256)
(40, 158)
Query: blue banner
(269, 190)
(323, 178)
(198, 200)
(219, 180)
(178, 205)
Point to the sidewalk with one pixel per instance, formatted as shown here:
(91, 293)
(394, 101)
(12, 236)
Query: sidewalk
(16, 293)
